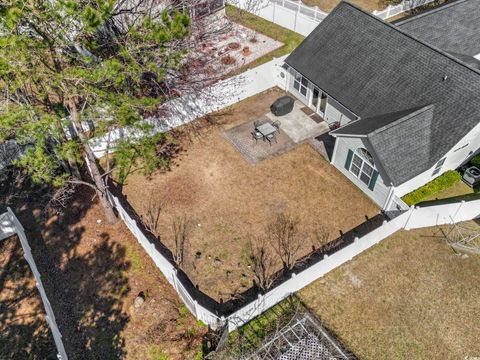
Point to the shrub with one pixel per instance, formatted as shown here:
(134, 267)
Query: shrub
(228, 60)
(234, 46)
(475, 161)
(440, 183)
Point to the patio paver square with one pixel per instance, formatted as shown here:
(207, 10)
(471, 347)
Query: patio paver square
(256, 151)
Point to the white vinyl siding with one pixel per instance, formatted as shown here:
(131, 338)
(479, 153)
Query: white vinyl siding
(381, 191)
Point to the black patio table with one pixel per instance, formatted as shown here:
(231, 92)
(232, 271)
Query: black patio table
(266, 129)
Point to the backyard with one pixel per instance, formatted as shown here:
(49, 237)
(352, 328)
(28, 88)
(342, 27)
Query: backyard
(410, 297)
(228, 201)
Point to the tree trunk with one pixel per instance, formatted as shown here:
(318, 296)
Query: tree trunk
(95, 171)
(72, 165)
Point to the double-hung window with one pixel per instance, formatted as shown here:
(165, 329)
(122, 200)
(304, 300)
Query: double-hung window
(360, 163)
(300, 84)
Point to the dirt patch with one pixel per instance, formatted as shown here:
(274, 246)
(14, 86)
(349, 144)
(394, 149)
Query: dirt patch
(93, 273)
(411, 297)
(230, 201)
(24, 332)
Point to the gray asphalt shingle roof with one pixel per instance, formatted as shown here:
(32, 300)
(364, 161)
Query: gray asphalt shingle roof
(374, 68)
(394, 143)
(368, 125)
(453, 27)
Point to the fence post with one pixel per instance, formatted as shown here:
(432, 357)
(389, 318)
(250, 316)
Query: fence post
(458, 210)
(412, 209)
(296, 18)
(195, 307)
(274, 11)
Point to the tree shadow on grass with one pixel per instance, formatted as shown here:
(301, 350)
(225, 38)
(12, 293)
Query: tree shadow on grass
(83, 272)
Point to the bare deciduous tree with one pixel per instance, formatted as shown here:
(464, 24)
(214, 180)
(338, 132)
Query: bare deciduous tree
(261, 263)
(284, 237)
(181, 227)
(321, 236)
(153, 209)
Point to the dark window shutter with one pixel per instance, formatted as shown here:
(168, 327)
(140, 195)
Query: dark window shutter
(373, 180)
(349, 159)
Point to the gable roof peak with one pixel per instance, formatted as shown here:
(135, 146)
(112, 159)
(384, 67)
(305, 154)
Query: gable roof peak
(412, 113)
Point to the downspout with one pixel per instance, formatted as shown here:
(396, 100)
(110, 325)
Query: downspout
(391, 193)
(334, 151)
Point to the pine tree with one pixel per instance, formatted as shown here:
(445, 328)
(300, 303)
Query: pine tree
(65, 63)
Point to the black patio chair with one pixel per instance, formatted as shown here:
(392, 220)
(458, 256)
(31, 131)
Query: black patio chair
(276, 125)
(258, 123)
(271, 137)
(256, 136)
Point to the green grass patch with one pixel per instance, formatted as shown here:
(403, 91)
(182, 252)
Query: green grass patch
(290, 39)
(183, 312)
(201, 324)
(156, 353)
(442, 182)
(136, 264)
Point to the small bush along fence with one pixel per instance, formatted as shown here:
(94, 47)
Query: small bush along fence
(440, 183)
(475, 161)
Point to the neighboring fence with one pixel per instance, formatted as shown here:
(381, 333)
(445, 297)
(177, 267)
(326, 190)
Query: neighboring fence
(216, 97)
(9, 225)
(293, 15)
(405, 5)
(298, 17)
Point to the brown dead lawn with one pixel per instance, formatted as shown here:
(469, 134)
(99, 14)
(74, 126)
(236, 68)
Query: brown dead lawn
(230, 201)
(410, 297)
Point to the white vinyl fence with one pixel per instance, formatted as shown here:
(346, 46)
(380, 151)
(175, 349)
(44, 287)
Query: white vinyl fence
(216, 97)
(405, 5)
(298, 17)
(9, 225)
(167, 269)
(415, 217)
(411, 219)
(293, 15)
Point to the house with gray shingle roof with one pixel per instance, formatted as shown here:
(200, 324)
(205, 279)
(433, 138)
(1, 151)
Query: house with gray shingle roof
(404, 97)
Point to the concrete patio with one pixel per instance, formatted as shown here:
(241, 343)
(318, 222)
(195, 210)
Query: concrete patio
(298, 125)
(295, 127)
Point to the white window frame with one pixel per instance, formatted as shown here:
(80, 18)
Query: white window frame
(302, 83)
(365, 167)
(438, 166)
